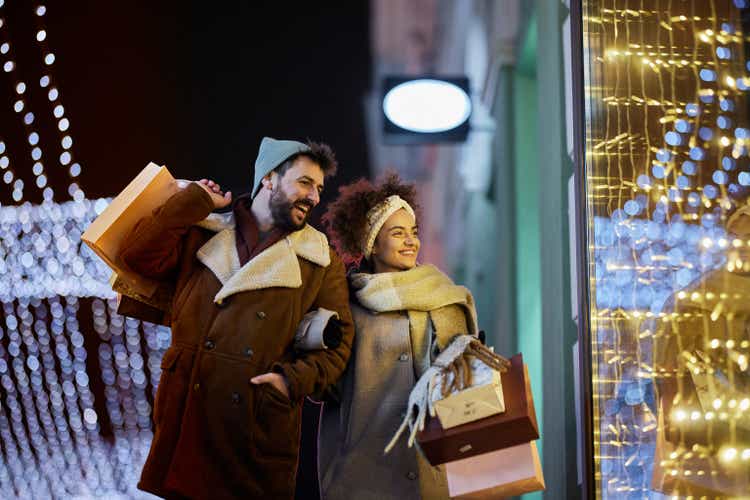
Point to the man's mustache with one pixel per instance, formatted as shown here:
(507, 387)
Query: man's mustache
(306, 203)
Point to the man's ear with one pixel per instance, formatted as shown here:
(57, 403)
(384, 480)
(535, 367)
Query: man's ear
(269, 180)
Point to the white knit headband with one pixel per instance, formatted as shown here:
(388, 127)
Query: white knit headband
(377, 216)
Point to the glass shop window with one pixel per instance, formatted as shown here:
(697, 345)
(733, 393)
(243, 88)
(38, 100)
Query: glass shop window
(667, 153)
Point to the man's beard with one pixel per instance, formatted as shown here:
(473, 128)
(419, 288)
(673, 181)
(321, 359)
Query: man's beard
(281, 210)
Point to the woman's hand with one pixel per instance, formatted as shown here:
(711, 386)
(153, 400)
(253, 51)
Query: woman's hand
(275, 379)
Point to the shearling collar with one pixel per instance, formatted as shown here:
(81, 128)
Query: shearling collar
(277, 265)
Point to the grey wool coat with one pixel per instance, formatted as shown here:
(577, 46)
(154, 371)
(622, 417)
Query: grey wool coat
(374, 391)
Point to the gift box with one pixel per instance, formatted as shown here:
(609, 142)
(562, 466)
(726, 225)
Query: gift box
(517, 425)
(483, 399)
(149, 190)
(502, 473)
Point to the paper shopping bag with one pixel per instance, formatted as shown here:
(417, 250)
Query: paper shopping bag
(156, 308)
(502, 473)
(149, 190)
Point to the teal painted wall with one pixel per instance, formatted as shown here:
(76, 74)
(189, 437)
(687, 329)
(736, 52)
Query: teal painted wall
(532, 300)
(528, 279)
(527, 184)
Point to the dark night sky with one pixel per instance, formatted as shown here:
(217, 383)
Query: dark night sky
(193, 86)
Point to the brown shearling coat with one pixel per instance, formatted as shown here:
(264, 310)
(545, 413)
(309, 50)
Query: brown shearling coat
(217, 435)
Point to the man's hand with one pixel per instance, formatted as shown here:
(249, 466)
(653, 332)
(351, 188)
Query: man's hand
(275, 379)
(220, 199)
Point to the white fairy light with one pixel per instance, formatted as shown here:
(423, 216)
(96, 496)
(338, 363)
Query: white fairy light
(8, 173)
(63, 124)
(57, 269)
(52, 273)
(33, 138)
(48, 407)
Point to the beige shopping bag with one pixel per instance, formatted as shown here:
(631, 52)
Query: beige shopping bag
(502, 473)
(149, 190)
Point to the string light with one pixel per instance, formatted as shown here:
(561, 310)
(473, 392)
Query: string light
(33, 139)
(658, 206)
(66, 158)
(50, 423)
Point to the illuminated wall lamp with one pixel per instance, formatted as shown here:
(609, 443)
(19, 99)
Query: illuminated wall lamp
(426, 109)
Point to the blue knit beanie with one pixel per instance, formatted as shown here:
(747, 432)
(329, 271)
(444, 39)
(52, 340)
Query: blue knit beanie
(271, 154)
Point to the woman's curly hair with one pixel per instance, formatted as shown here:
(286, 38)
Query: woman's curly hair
(345, 219)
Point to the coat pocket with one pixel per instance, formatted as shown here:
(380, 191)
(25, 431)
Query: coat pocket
(164, 391)
(276, 433)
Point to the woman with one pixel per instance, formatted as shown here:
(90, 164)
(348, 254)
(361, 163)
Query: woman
(404, 315)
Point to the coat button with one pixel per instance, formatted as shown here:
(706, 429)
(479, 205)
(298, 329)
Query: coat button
(235, 398)
(196, 387)
(403, 357)
(221, 303)
(411, 475)
(248, 352)
(209, 344)
(261, 315)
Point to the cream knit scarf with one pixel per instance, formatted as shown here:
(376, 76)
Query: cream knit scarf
(426, 294)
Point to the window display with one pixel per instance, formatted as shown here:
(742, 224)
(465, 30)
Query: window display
(667, 185)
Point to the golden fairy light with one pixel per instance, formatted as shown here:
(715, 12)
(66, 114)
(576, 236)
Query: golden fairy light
(667, 164)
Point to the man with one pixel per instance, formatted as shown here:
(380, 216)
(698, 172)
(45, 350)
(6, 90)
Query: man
(227, 410)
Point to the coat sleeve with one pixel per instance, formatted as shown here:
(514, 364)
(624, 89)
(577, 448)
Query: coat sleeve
(313, 371)
(155, 244)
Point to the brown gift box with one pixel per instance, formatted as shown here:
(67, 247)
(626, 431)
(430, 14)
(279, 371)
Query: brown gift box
(517, 425)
